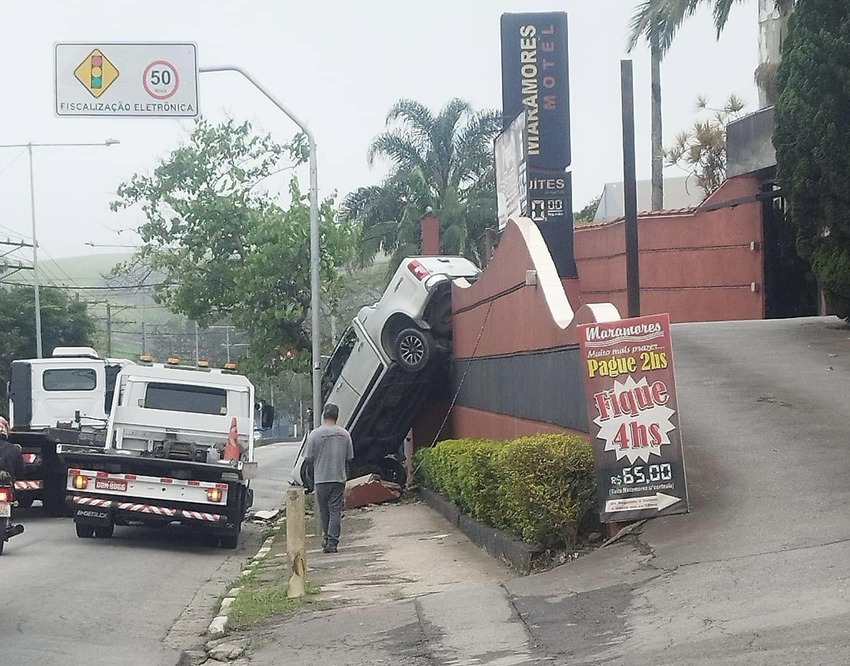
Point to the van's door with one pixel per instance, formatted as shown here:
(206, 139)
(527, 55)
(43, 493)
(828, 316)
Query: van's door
(359, 375)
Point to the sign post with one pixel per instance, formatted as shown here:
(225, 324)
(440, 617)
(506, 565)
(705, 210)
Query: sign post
(634, 418)
(126, 79)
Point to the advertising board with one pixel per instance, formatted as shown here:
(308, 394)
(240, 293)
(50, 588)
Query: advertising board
(511, 173)
(634, 418)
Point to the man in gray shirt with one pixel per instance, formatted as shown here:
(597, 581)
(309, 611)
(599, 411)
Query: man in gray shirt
(329, 448)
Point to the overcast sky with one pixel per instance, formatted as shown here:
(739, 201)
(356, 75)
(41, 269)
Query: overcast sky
(339, 65)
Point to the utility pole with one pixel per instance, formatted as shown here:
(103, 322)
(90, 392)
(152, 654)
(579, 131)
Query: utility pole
(108, 328)
(35, 275)
(197, 357)
(630, 190)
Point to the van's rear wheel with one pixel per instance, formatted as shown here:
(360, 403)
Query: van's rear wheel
(413, 348)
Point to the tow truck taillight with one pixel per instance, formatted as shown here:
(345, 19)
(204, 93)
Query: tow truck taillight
(5, 495)
(418, 270)
(214, 494)
(80, 482)
(32, 458)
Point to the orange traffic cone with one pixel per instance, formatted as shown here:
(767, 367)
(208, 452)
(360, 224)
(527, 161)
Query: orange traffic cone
(231, 449)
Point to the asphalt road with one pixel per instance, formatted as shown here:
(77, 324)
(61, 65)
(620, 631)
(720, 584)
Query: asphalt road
(759, 572)
(134, 600)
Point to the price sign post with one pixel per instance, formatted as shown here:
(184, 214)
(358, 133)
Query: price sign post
(634, 417)
(128, 79)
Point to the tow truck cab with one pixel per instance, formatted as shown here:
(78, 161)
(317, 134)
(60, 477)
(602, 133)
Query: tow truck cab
(64, 398)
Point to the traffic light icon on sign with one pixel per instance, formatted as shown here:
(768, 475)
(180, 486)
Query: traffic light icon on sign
(96, 72)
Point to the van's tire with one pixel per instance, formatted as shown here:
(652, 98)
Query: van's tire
(413, 348)
(84, 531)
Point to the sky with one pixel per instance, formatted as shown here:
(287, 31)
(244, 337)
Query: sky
(339, 65)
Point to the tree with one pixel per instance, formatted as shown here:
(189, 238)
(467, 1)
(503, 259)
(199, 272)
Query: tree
(223, 245)
(701, 150)
(812, 132)
(64, 322)
(586, 214)
(665, 17)
(442, 161)
(649, 23)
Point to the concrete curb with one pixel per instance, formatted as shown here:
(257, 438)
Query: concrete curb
(218, 627)
(519, 554)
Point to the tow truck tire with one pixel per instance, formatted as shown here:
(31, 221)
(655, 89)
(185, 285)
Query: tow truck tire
(84, 531)
(53, 501)
(229, 542)
(104, 532)
(24, 502)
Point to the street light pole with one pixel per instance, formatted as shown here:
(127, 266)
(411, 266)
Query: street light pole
(315, 300)
(35, 276)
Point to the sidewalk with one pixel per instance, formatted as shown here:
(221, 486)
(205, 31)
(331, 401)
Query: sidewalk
(405, 587)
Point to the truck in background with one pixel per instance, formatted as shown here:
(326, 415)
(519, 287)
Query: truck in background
(61, 399)
(179, 448)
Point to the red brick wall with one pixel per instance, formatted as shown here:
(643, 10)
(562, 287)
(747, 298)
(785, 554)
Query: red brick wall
(697, 266)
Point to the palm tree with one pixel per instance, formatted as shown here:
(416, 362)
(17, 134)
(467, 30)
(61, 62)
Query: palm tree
(649, 22)
(440, 162)
(666, 16)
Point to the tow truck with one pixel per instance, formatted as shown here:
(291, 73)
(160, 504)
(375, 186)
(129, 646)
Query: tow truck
(179, 448)
(63, 399)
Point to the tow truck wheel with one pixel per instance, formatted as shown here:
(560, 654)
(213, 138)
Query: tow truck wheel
(84, 531)
(24, 502)
(104, 531)
(413, 349)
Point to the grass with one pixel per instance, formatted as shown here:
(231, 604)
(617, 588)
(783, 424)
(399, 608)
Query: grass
(263, 590)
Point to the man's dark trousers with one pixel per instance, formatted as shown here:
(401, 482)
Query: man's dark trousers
(329, 497)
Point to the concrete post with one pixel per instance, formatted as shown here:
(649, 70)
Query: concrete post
(296, 542)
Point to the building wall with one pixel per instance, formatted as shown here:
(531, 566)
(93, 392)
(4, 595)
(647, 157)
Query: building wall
(703, 265)
(516, 365)
(515, 368)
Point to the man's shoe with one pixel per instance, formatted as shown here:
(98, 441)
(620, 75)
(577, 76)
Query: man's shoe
(329, 549)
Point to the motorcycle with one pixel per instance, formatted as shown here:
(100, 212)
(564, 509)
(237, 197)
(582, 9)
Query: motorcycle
(7, 499)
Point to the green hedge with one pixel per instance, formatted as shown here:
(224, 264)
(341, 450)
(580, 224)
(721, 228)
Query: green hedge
(537, 488)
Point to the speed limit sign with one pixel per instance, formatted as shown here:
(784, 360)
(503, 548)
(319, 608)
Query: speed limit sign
(161, 79)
